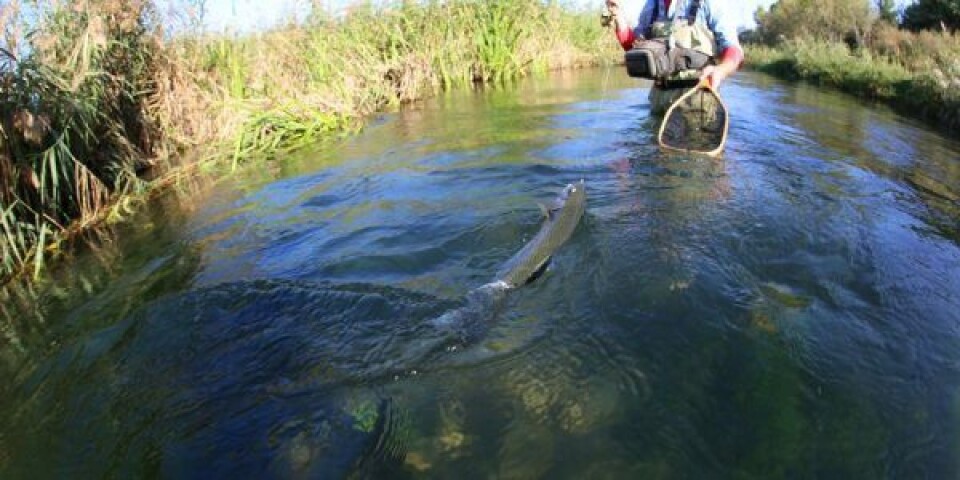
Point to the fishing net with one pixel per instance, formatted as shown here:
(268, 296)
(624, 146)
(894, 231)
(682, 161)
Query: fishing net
(696, 122)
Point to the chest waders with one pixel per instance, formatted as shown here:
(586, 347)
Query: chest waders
(672, 54)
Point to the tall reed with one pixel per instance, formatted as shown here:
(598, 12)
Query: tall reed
(74, 125)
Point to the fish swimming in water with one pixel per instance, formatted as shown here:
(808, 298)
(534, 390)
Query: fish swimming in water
(561, 218)
(458, 328)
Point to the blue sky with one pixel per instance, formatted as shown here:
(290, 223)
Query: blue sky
(245, 15)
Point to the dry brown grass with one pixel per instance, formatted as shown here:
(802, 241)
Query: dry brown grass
(917, 51)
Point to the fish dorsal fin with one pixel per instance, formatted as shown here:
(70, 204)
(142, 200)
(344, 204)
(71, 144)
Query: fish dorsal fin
(547, 212)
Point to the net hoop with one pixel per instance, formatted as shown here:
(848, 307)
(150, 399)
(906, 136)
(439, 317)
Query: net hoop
(726, 121)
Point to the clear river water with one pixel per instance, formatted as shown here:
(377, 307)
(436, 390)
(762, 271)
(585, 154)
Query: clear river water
(790, 310)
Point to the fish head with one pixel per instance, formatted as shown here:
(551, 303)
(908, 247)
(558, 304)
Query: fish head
(574, 196)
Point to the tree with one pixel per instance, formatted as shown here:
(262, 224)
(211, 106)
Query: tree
(831, 20)
(887, 9)
(933, 14)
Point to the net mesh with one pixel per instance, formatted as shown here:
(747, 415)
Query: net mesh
(696, 122)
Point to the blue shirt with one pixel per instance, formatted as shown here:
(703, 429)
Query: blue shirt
(716, 15)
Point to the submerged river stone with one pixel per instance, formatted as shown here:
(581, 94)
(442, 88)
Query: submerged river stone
(596, 406)
(300, 453)
(761, 320)
(441, 442)
(526, 449)
(452, 420)
(536, 396)
(551, 397)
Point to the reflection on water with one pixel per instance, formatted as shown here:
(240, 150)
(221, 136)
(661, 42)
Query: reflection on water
(790, 310)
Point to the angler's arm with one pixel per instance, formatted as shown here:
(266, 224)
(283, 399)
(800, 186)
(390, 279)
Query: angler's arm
(625, 36)
(721, 22)
(625, 33)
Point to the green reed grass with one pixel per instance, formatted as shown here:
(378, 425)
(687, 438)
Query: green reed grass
(336, 70)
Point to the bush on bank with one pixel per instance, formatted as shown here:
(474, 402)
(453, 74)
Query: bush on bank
(916, 72)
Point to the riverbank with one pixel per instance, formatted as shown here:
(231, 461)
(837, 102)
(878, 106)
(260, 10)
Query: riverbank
(99, 105)
(917, 73)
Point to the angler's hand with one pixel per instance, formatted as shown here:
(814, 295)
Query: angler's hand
(613, 6)
(715, 74)
(611, 14)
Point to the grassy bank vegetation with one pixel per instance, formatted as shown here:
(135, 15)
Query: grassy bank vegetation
(867, 54)
(96, 96)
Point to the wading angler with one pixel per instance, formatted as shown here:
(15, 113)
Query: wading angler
(677, 44)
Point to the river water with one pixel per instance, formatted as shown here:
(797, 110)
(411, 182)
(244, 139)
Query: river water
(790, 310)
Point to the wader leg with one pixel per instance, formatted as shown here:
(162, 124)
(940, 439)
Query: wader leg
(662, 98)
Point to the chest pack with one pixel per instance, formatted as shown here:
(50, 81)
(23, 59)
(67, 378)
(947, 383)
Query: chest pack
(672, 52)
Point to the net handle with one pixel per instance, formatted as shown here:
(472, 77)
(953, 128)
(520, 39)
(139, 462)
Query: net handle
(704, 83)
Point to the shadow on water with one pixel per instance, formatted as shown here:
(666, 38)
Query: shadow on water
(788, 311)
